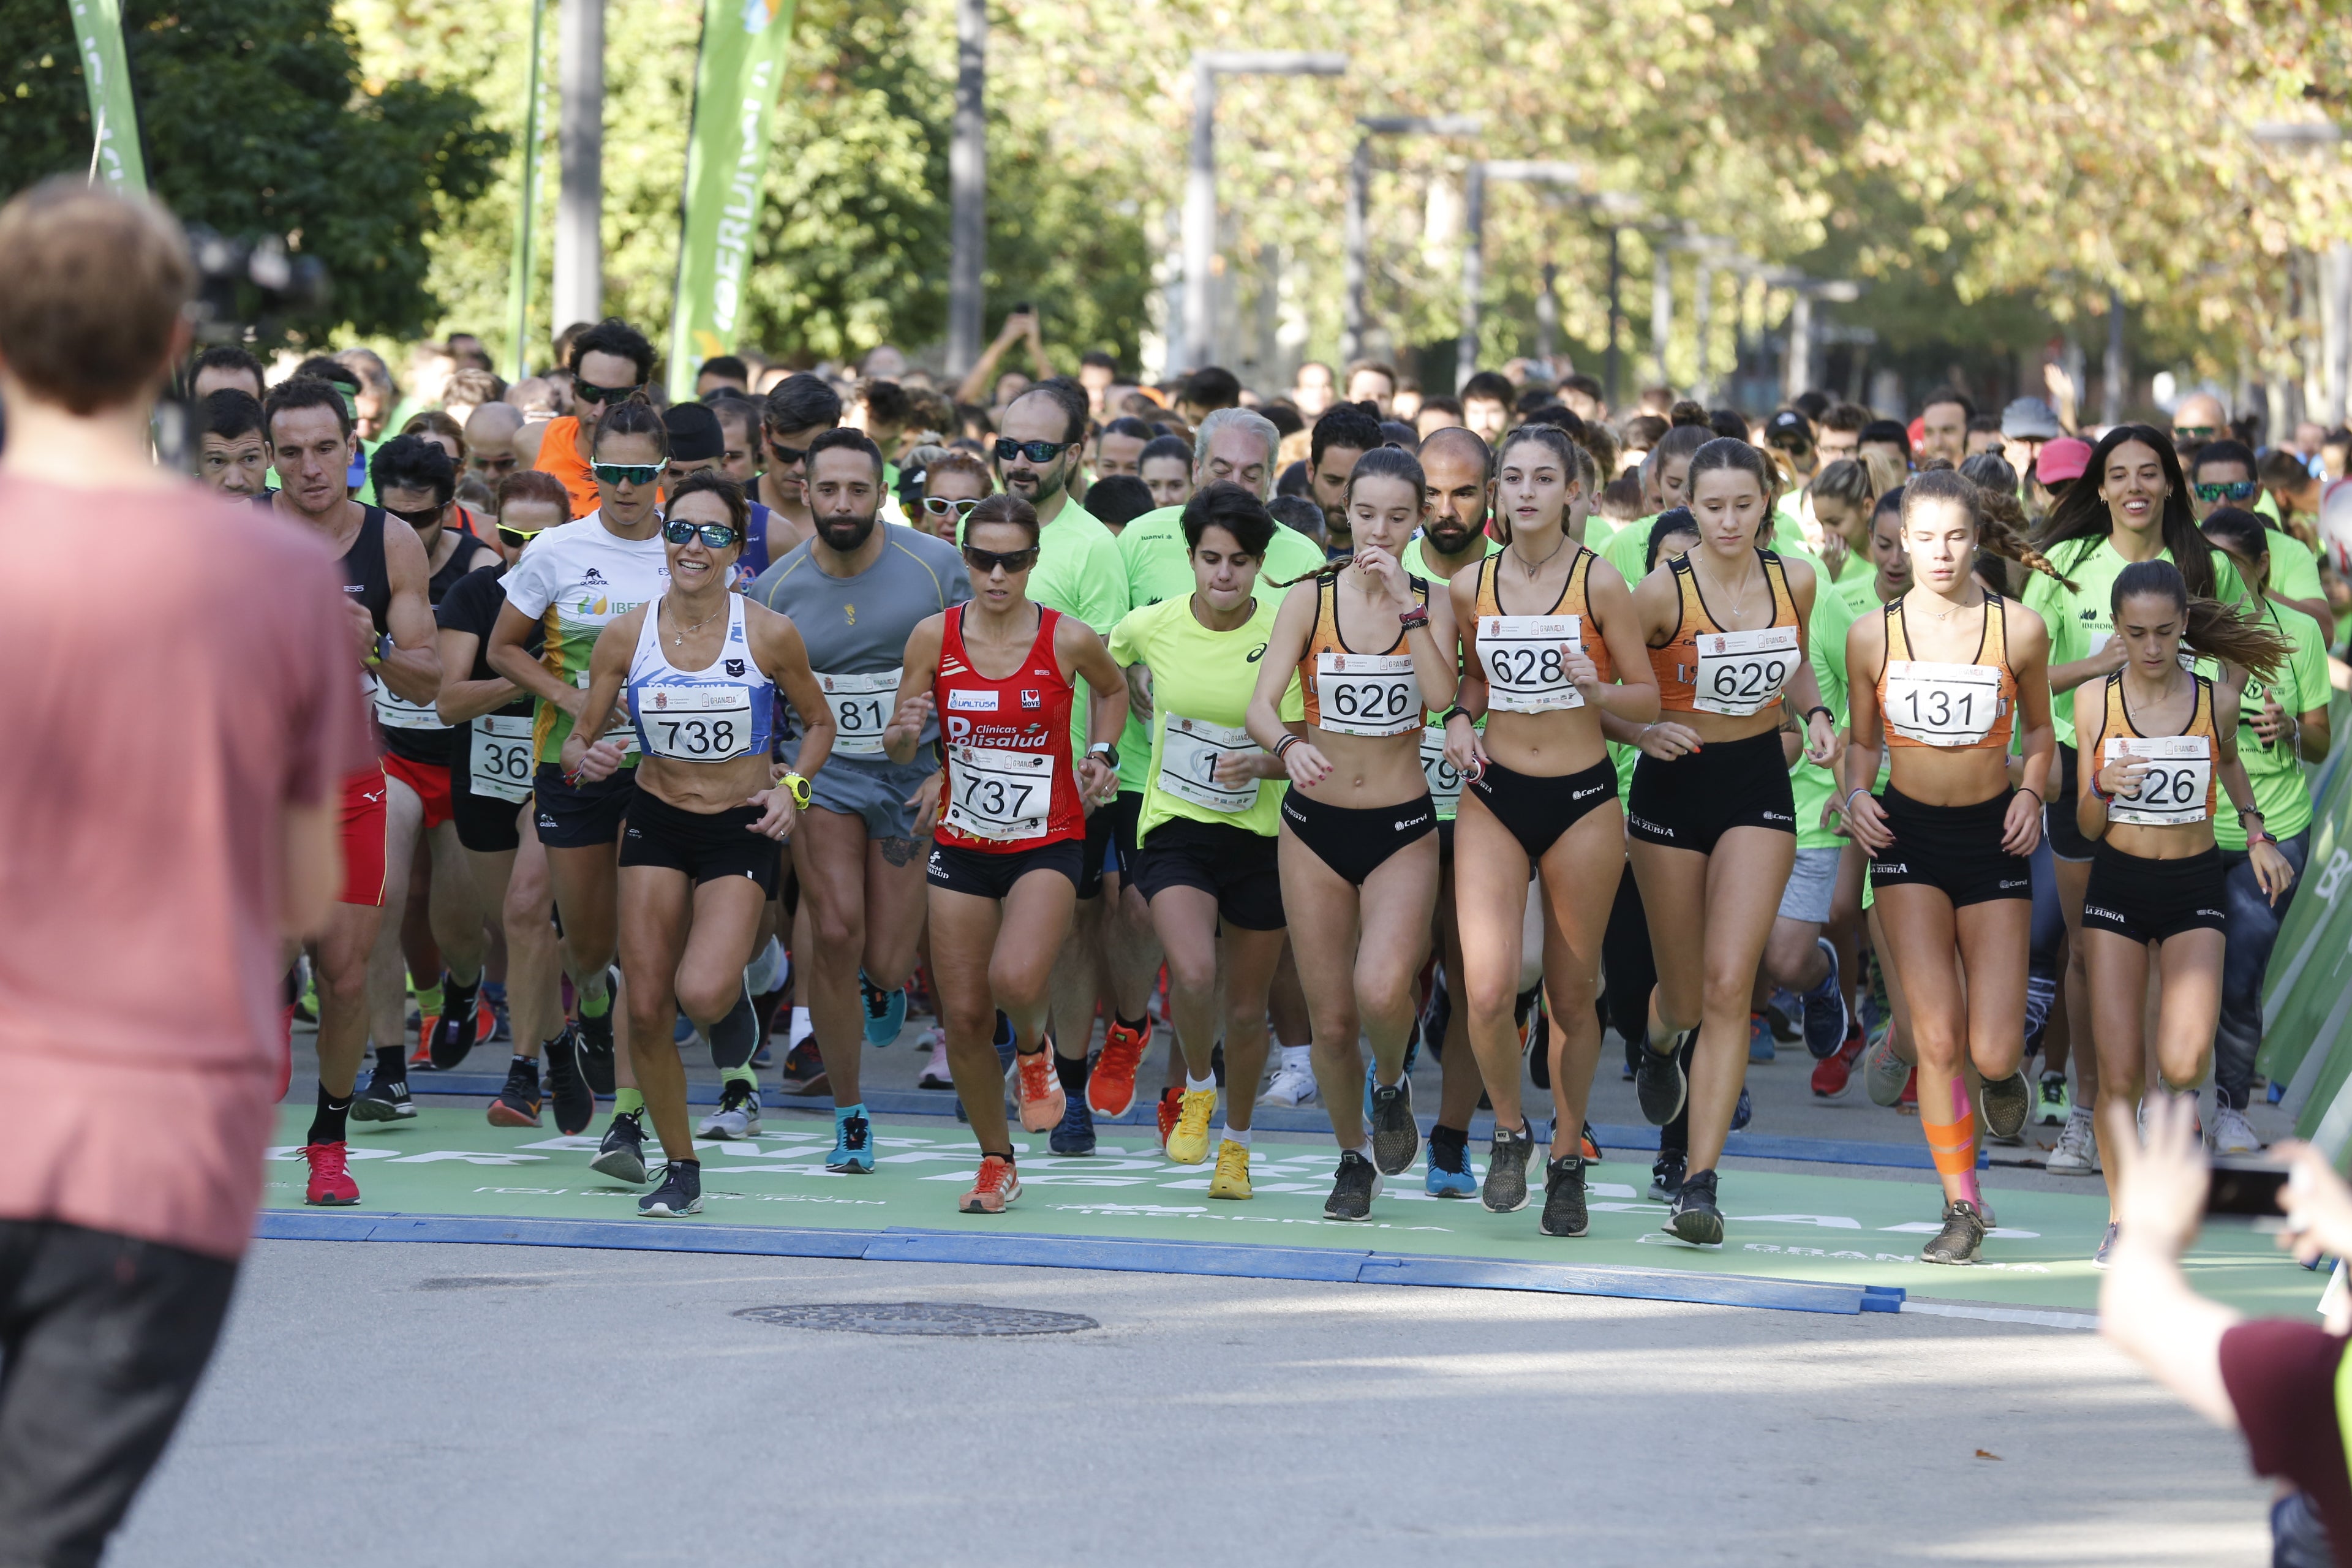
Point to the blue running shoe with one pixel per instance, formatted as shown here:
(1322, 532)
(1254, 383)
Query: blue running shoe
(1743, 1110)
(853, 1142)
(885, 1012)
(1760, 1039)
(1825, 1020)
(1074, 1133)
(1448, 1175)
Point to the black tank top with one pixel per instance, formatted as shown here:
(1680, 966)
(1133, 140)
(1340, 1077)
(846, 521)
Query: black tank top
(462, 560)
(363, 567)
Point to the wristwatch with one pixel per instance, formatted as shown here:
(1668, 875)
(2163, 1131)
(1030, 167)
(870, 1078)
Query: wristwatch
(798, 787)
(1105, 751)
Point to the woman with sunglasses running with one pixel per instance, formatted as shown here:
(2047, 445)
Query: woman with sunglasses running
(2154, 742)
(1001, 674)
(953, 485)
(699, 854)
(1373, 650)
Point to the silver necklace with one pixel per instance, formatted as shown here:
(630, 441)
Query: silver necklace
(677, 638)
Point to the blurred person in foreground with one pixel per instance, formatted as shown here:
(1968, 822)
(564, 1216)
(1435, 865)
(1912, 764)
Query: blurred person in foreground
(144, 910)
(2276, 1380)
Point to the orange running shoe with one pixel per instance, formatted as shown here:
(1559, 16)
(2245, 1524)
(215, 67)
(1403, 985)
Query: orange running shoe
(1171, 1108)
(1042, 1100)
(995, 1189)
(1111, 1091)
(1586, 1147)
(330, 1176)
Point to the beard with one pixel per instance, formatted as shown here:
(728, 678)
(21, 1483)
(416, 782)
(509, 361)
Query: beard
(845, 535)
(1450, 537)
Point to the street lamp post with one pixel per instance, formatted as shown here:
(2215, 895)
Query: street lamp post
(1201, 182)
(1359, 197)
(1474, 241)
(968, 188)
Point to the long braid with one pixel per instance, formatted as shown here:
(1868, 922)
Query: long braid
(2003, 528)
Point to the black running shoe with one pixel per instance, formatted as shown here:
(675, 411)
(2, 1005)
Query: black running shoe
(382, 1101)
(1694, 1218)
(596, 1038)
(517, 1104)
(1506, 1170)
(573, 1101)
(622, 1155)
(1358, 1183)
(1962, 1237)
(1563, 1210)
(459, 1025)
(1396, 1137)
(2008, 1102)
(1666, 1177)
(680, 1193)
(1658, 1081)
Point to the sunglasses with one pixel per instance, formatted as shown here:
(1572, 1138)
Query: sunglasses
(626, 473)
(589, 392)
(2235, 490)
(940, 507)
(516, 538)
(985, 561)
(1036, 451)
(716, 536)
(787, 456)
(2195, 432)
(499, 466)
(422, 517)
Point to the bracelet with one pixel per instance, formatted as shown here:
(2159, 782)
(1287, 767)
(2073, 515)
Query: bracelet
(1284, 745)
(2029, 789)
(1824, 711)
(1846, 806)
(1456, 711)
(1414, 619)
(2246, 811)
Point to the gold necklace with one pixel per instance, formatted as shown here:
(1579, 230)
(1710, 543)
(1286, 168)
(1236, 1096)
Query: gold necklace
(677, 638)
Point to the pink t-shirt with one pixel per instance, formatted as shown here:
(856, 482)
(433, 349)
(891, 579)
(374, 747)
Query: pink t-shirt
(175, 672)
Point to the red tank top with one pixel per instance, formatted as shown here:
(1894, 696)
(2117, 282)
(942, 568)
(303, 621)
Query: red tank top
(1005, 748)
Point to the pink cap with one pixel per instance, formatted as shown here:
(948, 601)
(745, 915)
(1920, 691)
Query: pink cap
(2063, 459)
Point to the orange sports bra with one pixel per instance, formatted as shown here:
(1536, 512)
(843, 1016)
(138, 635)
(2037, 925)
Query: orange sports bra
(1508, 667)
(1953, 707)
(2180, 789)
(1352, 692)
(1705, 667)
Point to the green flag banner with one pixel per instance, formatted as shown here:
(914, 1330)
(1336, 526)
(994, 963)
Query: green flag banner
(2307, 999)
(735, 90)
(106, 72)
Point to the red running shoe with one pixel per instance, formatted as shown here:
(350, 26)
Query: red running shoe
(995, 1189)
(331, 1177)
(1172, 1106)
(1111, 1090)
(1041, 1099)
(1833, 1074)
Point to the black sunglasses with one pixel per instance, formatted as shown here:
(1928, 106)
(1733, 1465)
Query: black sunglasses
(627, 473)
(2235, 490)
(422, 517)
(500, 466)
(985, 561)
(787, 456)
(589, 392)
(716, 536)
(1008, 448)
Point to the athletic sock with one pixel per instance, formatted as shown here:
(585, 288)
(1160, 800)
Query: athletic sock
(738, 1075)
(1953, 1145)
(329, 1121)
(597, 1000)
(1299, 1056)
(1365, 1148)
(558, 1046)
(766, 968)
(1240, 1135)
(1450, 1137)
(734, 1038)
(1072, 1072)
(1141, 1025)
(429, 998)
(529, 1068)
(801, 1028)
(1197, 1085)
(628, 1102)
(391, 1065)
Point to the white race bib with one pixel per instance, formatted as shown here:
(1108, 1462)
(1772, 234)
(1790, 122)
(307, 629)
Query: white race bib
(500, 766)
(2172, 792)
(696, 723)
(1445, 778)
(1942, 704)
(1190, 749)
(998, 793)
(1367, 693)
(861, 706)
(1524, 663)
(397, 712)
(1741, 673)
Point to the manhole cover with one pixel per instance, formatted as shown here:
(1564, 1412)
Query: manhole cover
(475, 1282)
(954, 1318)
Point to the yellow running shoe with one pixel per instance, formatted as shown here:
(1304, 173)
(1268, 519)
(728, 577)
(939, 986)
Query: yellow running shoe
(1189, 1144)
(1232, 1180)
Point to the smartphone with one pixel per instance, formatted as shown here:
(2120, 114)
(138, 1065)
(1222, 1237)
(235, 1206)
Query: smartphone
(2246, 1185)
(1024, 309)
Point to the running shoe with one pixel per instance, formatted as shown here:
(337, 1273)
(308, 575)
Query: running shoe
(459, 1027)
(1232, 1177)
(2105, 1256)
(382, 1101)
(1353, 1190)
(1006, 1041)
(1666, 1176)
(1110, 1086)
(804, 1069)
(2055, 1104)
(622, 1155)
(1446, 1172)
(1563, 1211)
(1588, 1147)
(330, 1184)
(1694, 1217)
(995, 1189)
(1074, 1133)
(1293, 1085)
(568, 1093)
(1170, 1106)
(596, 1038)
(2006, 1103)
(1396, 1137)
(1884, 1073)
(885, 1012)
(1833, 1074)
(1506, 1191)
(680, 1195)
(1041, 1099)
(2077, 1153)
(936, 1073)
(737, 1115)
(1826, 1016)
(517, 1102)
(853, 1147)
(1780, 1016)
(1659, 1082)
(2233, 1133)
(1760, 1047)
(1962, 1237)
(1907, 1102)
(1744, 1112)
(1189, 1143)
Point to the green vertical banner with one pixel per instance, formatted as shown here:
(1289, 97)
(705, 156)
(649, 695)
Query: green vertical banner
(113, 120)
(735, 89)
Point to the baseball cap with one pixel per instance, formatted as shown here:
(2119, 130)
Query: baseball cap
(694, 432)
(2063, 459)
(2029, 419)
(1789, 426)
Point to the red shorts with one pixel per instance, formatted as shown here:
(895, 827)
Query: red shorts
(363, 830)
(431, 783)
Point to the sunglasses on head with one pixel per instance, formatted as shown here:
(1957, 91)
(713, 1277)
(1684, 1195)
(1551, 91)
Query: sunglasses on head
(626, 473)
(940, 505)
(589, 392)
(2235, 490)
(1036, 451)
(986, 561)
(422, 517)
(716, 536)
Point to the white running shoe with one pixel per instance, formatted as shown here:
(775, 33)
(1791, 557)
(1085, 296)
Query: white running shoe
(2077, 1153)
(935, 1073)
(1883, 1072)
(2233, 1135)
(737, 1115)
(1293, 1081)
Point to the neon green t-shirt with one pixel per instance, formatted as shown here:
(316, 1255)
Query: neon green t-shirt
(2280, 790)
(2295, 570)
(1411, 557)
(2080, 622)
(1201, 678)
(1811, 784)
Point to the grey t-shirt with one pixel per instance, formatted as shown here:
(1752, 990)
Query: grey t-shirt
(856, 628)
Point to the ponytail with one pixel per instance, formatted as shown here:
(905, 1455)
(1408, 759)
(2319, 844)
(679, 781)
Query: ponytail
(2210, 627)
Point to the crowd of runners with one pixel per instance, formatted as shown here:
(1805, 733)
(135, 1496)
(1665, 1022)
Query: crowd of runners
(1299, 735)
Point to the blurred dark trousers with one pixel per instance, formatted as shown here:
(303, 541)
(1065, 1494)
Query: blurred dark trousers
(2253, 932)
(103, 1338)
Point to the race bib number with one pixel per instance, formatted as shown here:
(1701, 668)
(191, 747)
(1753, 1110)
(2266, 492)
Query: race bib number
(1942, 704)
(696, 723)
(999, 794)
(396, 712)
(1741, 673)
(1190, 749)
(861, 706)
(1367, 693)
(1526, 662)
(500, 765)
(2172, 792)
(1445, 778)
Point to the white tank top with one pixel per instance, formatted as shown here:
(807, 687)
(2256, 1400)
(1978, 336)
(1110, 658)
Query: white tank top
(711, 715)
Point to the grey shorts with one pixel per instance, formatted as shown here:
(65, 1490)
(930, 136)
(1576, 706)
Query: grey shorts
(1812, 886)
(877, 791)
